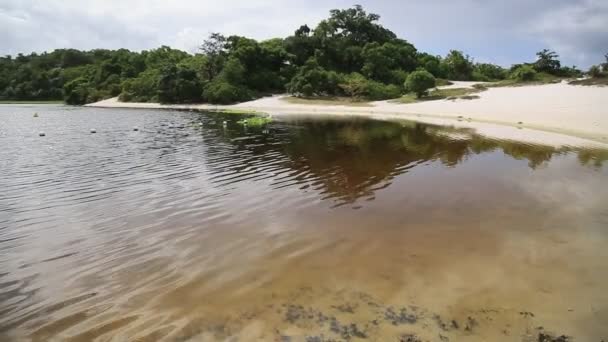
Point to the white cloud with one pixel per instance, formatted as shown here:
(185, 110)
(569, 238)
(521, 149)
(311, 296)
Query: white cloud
(578, 31)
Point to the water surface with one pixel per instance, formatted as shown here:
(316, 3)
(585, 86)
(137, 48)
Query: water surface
(305, 230)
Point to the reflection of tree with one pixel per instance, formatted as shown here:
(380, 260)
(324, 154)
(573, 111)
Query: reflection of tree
(349, 159)
(592, 157)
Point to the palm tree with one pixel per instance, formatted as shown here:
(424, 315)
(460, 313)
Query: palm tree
(547, 61)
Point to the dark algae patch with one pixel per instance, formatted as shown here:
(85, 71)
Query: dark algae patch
(399, 316)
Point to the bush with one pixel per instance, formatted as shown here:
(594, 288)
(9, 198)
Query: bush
(356, 85)
(312, 79)
(420, 82)
(142, 88)
(523, 73)
(179, 85)
(76, 91)
(398, 76)
(488, 72)
(222, 92)
(478, 76)
(458, 66)
(378, 91)
(595, 71)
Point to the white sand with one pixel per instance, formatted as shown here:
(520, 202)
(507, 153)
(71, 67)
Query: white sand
(578, 114)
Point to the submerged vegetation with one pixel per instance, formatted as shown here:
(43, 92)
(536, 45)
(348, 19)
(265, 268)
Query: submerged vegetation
(347, 55)
(256, 121)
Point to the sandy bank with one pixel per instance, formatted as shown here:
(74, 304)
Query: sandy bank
(579, 112)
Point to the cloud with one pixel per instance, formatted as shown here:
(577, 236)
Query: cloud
(578, 31)
(503, 32)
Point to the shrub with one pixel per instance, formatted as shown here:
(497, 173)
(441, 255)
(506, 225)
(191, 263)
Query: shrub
(398, 76)
(142, 88)
(179, 85)
(356, 85)
(378, 91)
(312, 79)
(523, 73)
(458, 65)
(420, 82)
(478, 76)
(222, 92)
(76, 91)
(595, 71)
(488, 72)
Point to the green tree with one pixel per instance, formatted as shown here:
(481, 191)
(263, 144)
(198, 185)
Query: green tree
(214, 48)
(419, 82)
(459, 67)
(523, 73)
(488, 72)
(432, 64)
(179, 84)
(312, 79)
(595, 71)
(77, 91)
(547, 61)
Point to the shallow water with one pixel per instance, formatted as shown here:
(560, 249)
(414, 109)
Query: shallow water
(305, 230)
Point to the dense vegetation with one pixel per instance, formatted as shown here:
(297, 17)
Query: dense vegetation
(347, 55)
(597, 74)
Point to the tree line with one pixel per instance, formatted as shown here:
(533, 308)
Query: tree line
(348, 54)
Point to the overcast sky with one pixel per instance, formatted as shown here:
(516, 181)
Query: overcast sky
(498, 31)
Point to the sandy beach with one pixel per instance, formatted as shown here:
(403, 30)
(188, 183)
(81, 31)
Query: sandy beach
(557, 114)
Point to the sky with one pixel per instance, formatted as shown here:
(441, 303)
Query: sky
(496, 31)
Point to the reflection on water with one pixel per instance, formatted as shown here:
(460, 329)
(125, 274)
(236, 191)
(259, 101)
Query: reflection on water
(305, 230)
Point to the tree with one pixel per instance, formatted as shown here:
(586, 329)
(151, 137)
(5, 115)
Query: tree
(420, 82)
(432, 64)
(214, 48)
(179, 84)
(595, 71)
(143, 88)
(222, 92)
(357, 86)
(312, 79)
(76, 91)
(459, 67)
(523, 73)
(547, 61)
(381, 61)
(488, 72)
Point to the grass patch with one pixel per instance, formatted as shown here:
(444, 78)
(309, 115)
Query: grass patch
(30, 102)
(327, 101)
(443, 94)
(256, 121)
(440, 82)
(238, 111)
(540, 79)
(595, 81)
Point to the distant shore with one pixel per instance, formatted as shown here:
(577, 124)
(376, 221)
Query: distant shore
(31, 102)
(575, 111)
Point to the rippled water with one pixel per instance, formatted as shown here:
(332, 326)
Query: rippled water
(305, 230)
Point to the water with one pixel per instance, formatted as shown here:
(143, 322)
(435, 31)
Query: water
(305, 230)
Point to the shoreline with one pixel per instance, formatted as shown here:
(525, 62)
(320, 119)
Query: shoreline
(555, 114)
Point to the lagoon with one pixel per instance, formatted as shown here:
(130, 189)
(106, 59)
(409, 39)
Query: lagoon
(305, 229)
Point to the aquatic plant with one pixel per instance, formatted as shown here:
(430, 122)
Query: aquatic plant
(256, 121)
